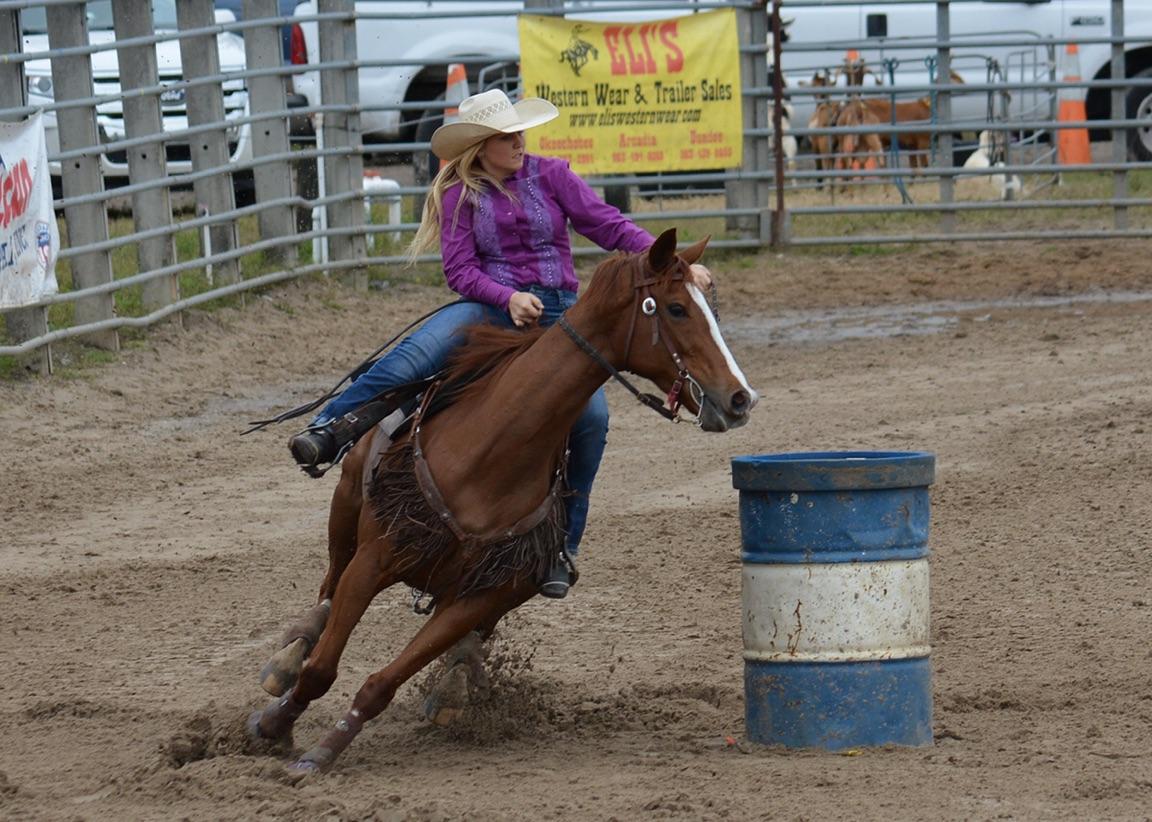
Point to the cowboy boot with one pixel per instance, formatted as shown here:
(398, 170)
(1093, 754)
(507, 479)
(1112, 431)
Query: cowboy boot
(313, 445)
(328, 442)
(317, 444)
(561, 576)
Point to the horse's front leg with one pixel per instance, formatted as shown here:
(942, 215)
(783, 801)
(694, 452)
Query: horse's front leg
(366, 575)
(280, 672)
(447, 626)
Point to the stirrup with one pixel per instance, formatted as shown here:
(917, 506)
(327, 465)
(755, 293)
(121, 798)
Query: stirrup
(561, 576)
(316, 471)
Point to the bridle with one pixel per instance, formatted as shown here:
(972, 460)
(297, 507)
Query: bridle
(645, 304)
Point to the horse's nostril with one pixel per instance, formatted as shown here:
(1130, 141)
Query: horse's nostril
(740, 402)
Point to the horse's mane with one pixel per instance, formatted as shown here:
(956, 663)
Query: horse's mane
(606, 273)
(487, 353)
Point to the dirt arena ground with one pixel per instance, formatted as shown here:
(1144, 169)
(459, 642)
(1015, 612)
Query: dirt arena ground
(150, 556)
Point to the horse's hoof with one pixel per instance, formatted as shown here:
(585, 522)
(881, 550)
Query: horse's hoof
(449, 697)
(258, 734)
(280, 673)
(253, 725)
(304, 767)
(313, 760)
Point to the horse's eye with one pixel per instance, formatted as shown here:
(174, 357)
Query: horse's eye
(677, 310)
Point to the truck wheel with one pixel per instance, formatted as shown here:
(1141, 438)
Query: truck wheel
(424, 163)
(1139, 107)
(244, 188)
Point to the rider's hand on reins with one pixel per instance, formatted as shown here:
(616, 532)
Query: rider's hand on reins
(701, 276)
(525, 308)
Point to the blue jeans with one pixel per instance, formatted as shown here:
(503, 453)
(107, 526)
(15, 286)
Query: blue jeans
(426, 350)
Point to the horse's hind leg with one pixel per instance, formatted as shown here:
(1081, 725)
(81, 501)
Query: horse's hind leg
(447, 626)
(280, 672)
(464, 671)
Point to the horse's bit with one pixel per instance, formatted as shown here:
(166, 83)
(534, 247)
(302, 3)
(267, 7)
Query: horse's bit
(646, 305)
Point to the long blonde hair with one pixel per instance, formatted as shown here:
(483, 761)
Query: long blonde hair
(464, 169)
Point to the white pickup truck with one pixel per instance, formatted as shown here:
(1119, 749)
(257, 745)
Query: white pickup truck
(1008, 36)
(419, 32)
(878, 31)
(106, 86)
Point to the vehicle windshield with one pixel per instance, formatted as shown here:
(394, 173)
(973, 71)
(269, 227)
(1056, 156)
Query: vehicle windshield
(34, 20)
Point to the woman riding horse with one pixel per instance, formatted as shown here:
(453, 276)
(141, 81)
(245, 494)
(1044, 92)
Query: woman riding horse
(501, 217)
(464, 505)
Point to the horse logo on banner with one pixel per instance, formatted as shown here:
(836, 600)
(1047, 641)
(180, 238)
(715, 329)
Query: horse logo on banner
(576, 55)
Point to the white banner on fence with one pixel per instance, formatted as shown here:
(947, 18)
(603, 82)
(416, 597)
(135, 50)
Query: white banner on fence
(29, 239)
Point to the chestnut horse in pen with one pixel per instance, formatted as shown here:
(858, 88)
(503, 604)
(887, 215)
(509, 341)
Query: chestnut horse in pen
(464, 504)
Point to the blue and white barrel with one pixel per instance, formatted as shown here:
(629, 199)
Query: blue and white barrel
(835, 593)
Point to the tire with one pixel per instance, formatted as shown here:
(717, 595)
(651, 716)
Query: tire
(244, 188)
(424, 163)
(1138, 106)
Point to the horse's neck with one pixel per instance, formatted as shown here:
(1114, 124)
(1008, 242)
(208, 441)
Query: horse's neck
(544, 390)
(510, 432)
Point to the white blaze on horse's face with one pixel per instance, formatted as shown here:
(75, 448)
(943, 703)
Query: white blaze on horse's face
(706, 310)
(712, 417)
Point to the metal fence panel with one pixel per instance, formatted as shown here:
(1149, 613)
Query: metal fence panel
(178, 151)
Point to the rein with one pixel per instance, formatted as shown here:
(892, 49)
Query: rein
(650, 400)
(646, 305)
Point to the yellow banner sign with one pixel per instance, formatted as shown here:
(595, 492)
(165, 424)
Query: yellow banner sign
(660, 95)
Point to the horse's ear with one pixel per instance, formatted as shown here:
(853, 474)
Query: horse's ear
(663, 251)
(695, 251)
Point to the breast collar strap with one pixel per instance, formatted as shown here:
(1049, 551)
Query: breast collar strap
(439, 505)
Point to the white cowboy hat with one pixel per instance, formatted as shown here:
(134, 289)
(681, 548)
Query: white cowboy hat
(485, 114)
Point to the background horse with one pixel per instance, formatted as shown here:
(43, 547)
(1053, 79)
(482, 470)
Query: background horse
(474, 520)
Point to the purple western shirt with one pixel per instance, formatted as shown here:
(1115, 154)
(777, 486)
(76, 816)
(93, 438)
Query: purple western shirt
(496, 246)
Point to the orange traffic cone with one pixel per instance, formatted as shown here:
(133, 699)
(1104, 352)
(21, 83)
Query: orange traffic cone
(455, 91)
(1072, 143)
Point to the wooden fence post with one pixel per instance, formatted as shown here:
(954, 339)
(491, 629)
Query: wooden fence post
(343, 169)
(200, 57)
(266, 96)
(1119, 112)
(87, 222)
(151, 208)
(752, 24)
(944, 114)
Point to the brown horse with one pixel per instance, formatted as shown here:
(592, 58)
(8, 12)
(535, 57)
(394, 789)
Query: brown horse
(858, 152)
(464, 506)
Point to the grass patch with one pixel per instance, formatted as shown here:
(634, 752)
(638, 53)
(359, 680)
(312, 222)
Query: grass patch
(1045, 186)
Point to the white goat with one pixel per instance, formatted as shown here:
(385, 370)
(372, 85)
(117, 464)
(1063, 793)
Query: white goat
(987, 157)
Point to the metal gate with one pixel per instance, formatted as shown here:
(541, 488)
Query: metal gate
(180, 187)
